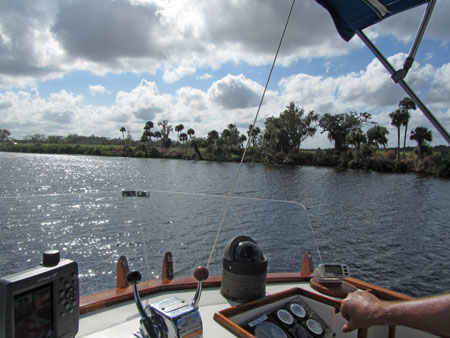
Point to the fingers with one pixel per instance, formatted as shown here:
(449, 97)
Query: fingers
(345, 306)
(348, 328)
(345, 328)
(357, 309)
(345, 312)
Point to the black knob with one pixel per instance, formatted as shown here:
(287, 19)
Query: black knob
(134, 277)
(50, 258)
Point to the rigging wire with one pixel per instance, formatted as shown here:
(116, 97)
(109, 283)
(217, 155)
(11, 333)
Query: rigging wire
(219, 230)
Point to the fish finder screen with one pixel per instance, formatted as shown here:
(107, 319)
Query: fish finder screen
(33, 313)
(334, 269)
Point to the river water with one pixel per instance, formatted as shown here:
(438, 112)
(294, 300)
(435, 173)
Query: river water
(390, 229)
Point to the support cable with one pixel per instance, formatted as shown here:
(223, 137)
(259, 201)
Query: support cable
(230, 195)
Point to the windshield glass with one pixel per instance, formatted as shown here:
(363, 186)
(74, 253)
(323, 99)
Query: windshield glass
(96, 228)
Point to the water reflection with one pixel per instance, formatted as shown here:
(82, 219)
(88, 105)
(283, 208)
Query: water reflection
(390, 229)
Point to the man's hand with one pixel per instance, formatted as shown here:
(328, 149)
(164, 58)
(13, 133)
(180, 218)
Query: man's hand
(430, 314)
(361, 309)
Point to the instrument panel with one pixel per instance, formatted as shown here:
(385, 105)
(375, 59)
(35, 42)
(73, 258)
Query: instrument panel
(294, 319)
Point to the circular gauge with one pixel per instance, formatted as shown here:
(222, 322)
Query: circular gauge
(300, 332)
(285, 317)
(269, 330)
(314, 326)
(298, 310)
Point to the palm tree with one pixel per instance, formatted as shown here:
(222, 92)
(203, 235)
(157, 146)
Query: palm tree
(212, 139)
(421, 135)
(148, 125)
(213, 135)
(242, 140)
(146, 136)
(396, 121)
(191, 132)
(226, 138)
(4, 135)
(377, 136)
(357, 138)
(147, 133)
(123, 130)
(183, 138)
(178, 129)
(157, 135)
(405, 105)
(253, 133)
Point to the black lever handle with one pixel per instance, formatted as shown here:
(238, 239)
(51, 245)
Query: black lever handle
(134, 277)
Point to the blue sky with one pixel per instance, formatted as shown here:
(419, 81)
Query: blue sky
(92, 66)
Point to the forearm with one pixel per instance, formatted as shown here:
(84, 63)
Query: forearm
(426, 314)
(362, 309)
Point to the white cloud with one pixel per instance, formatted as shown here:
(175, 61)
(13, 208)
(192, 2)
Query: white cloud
(143, 103)
(232, 99)
(235, 92)
(95, 90)
(27, 113)
(205, 76)
(370, 90)
(440, 86)
(177, 37)
(404, 26)
(192, 99)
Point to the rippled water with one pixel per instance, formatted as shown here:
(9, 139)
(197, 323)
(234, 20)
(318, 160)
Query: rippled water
(391, 229)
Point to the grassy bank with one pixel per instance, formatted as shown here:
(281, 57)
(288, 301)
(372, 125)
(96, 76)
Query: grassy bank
(72, 149)
(436, 163)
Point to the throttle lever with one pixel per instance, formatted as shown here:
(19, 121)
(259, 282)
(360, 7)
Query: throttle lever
(134, 277)
(200, 274)
(170, 317)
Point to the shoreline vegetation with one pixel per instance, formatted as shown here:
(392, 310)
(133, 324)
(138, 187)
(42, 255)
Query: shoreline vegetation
(278, 143)
(435, 163)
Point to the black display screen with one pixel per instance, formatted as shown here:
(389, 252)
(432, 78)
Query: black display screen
(33, 313)
(334, 269)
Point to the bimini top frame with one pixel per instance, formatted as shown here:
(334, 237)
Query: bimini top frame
(351, 17)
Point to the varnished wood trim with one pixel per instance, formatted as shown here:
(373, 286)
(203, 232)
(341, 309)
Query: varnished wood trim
(114, 296)
(223, 317)
(379, 291)
(231, 326)
(234, 310)
(307, 265)
(339, 291)
(391, 331)
(362, 333)
(167, 268)
(122, 270)
(286, 277)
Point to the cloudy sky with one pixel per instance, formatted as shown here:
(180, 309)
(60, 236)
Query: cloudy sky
(93, 66)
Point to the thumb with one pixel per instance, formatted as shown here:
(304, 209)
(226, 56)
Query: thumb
(345, 328)
(348, 328)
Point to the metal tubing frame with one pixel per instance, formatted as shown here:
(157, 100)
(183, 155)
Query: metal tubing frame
(422, 28)
(405, 86)
(401, 73)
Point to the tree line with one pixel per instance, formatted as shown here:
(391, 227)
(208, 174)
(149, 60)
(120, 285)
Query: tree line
(286, 133)
(279, 141)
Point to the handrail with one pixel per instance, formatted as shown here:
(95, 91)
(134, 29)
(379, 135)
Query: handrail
(117, 295)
